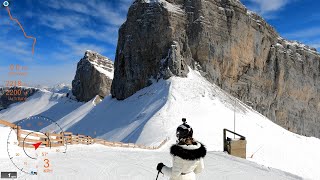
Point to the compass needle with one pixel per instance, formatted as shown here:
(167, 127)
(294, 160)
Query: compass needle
(36, 145)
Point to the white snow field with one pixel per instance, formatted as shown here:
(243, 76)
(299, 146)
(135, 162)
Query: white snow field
(153, 113)
(95, 162)
(46, 103)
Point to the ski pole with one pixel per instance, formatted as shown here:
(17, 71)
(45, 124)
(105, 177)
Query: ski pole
(256, 151)
(158, 174)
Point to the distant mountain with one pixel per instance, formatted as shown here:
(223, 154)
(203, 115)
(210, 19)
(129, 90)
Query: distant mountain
(60, 88)
(41, 102)
(11, 95)
(93, 77)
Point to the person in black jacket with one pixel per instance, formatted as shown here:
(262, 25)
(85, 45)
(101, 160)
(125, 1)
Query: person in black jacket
(187, 155)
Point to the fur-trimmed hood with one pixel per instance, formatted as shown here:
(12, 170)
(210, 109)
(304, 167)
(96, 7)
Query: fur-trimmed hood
(189, 152)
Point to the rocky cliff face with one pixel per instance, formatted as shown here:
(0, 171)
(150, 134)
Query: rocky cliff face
(93, 77)
(232, 47)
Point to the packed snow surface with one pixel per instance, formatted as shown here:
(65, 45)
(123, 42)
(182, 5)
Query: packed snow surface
(100, 162)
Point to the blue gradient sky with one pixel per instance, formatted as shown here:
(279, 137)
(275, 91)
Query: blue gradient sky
(66, 28)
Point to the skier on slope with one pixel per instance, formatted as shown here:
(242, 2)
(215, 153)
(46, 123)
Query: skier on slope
(187, 155)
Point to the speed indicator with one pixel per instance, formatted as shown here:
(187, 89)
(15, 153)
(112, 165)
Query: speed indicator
(31, 149)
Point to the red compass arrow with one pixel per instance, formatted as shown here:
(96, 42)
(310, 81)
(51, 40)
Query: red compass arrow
(36, 145)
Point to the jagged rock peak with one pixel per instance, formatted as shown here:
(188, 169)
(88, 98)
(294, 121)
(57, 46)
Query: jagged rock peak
(101, 63)
(93, 77)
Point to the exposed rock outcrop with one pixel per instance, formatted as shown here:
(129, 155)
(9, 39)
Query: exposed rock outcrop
(232, 47)
(93, 77)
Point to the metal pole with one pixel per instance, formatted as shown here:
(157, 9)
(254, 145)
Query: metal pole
(158, 175)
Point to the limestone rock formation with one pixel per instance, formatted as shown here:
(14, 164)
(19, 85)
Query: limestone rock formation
(93, 77)
(230, 46)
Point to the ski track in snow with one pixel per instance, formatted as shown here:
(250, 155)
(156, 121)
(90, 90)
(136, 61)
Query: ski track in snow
(100, 162)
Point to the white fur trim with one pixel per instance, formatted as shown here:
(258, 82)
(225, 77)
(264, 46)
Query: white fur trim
(191, 147)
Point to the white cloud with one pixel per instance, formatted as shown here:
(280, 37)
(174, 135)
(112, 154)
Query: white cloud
(267, 7)
(309, 36)
(125, 4)
(79, 48)
(77, 24)
(316, 45)
(78, 21)
(59, 22)
(304, 33)
(105, 33)
(51, 74)
(20, 47)
(93, 8)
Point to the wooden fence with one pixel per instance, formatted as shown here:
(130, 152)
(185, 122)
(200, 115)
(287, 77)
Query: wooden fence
(27, 138)
(5, 123)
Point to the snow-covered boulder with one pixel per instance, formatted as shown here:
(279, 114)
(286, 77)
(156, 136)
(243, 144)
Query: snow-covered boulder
(93, 77)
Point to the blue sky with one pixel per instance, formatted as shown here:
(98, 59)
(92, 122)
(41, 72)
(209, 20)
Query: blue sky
(66, 28)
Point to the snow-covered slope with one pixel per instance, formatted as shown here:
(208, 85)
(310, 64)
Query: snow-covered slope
(152, 114)
(99, 162)
(72, 118)
(124, 120)
(49, 104)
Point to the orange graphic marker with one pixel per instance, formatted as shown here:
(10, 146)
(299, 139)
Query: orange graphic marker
(24, 33)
